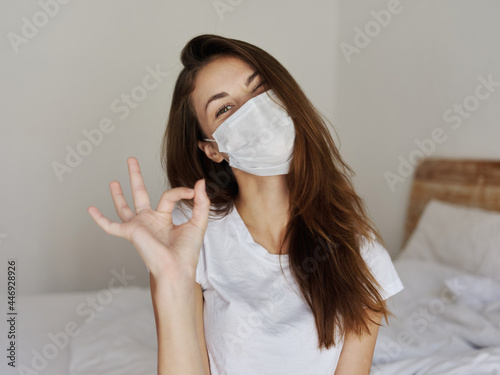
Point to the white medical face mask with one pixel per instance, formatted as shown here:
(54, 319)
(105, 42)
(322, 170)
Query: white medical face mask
(258, 137)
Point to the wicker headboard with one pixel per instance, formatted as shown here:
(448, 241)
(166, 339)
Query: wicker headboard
(474, 183)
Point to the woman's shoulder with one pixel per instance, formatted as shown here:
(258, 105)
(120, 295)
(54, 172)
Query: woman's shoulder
(373, 251)
(381, 266)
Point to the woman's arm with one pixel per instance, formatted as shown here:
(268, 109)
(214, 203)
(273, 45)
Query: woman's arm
(171, 254)
(174, 304)
(357, 353)
(201, 327)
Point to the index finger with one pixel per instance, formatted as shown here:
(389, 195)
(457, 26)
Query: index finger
(169, 197)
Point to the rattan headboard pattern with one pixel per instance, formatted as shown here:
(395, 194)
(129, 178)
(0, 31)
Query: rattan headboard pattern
(468, 182)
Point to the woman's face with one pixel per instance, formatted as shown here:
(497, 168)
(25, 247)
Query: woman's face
(220, 89)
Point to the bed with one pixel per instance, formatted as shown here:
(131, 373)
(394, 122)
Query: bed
(84, 333)
(447, 319)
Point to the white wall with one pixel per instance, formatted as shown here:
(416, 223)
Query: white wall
(64, 81)
(66, 77)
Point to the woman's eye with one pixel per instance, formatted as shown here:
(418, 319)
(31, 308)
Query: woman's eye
(224, 109)
(260, 84)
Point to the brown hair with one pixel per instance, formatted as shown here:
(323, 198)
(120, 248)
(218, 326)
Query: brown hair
(325, 212)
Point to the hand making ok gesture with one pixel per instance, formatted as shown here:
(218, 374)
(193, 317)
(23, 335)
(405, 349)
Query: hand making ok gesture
(168, 250)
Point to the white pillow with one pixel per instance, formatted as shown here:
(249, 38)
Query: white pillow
(463, 237)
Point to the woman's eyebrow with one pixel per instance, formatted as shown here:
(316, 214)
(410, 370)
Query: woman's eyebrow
(251, 77)
(220, 95)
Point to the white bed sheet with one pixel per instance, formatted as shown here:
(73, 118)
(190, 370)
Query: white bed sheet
(38, 316)
(447, 322)
(120, 340)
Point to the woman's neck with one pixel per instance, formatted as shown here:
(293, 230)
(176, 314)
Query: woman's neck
(263, 204)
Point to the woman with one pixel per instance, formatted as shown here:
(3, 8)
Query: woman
(287, 277)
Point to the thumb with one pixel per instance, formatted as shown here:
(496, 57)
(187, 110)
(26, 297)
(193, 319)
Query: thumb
(201, 206)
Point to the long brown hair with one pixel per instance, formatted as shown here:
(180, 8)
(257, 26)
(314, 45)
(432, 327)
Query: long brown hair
(325, 213)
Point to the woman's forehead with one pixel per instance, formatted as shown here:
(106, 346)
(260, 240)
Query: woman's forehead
(224, 74)
(219, 72)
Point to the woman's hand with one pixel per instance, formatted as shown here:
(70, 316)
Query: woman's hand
(168, 250)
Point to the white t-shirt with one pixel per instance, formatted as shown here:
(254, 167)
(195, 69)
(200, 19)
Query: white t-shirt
(256, 321)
